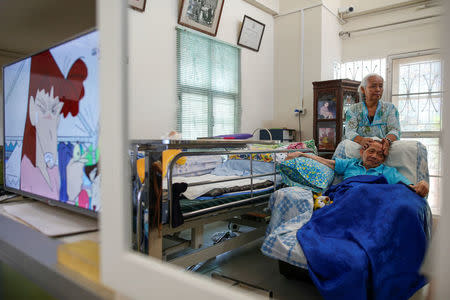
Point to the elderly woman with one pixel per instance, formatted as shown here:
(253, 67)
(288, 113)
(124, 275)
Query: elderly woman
(372, 117)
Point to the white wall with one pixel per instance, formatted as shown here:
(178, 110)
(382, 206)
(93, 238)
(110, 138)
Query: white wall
(287, 67)
(419, 35)
(290, 5)
(361, 5)
(153, 76)
(322, 47)
(331, 44)
(385, 43)
(287, 71)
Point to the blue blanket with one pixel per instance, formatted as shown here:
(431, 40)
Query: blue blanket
(368, 244)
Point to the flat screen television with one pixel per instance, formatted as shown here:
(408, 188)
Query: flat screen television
(51, 124)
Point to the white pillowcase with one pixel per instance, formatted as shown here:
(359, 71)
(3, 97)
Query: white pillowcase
(402, 156)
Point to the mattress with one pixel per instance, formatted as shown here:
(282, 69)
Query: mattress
(197, 204)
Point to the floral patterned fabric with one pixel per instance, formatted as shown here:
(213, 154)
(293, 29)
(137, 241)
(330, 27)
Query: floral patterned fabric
(269, 157)
(265, 157)
(306, 173)
(386, 121)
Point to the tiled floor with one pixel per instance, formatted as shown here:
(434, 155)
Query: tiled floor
(249, 265)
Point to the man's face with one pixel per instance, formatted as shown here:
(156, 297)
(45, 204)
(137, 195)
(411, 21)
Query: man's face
(373, 156)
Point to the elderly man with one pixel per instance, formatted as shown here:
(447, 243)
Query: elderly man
(371, 163)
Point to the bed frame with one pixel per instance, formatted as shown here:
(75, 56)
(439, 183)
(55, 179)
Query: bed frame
(251, 211)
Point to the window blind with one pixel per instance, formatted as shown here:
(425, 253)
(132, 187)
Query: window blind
(208, 86)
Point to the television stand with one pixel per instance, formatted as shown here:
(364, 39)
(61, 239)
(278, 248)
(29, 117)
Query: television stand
(52, 221)
(6, 197)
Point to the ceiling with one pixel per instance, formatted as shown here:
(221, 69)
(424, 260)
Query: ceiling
(28, 26)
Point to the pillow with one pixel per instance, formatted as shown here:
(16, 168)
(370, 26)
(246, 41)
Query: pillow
(306, 173)
(242, 168)
(406, 156)
(303, 145)
(189, 166)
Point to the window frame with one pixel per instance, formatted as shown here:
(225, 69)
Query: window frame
(389, 68)
(389, 84)
(210, 93)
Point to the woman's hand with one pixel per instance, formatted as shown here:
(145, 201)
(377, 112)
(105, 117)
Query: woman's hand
(386, 146)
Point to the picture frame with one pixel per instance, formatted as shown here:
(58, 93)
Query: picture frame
(251, 33)
(327, 138)
(326, 109)
(201, 15)
(137, 4)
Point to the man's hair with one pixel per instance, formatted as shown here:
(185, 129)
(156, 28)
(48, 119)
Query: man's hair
(363, 84)
(381, 144)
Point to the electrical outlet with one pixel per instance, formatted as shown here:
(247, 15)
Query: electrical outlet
(300, 111)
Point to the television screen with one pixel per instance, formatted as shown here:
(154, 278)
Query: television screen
(51, 125)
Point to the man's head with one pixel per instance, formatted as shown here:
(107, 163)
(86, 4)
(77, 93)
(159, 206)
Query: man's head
(373, 156)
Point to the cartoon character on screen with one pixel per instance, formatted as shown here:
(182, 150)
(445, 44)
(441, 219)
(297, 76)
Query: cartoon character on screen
(50, 96)
(93, 174)
(75, 172)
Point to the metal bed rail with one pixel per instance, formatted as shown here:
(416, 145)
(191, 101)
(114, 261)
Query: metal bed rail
(149, 147)
(228, 153)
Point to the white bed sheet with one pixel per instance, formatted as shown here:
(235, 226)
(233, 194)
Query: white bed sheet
(196, 191)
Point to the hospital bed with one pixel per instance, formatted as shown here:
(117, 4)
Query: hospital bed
(292, 207)
(174, 197)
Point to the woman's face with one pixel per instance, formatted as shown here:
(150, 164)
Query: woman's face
(374, 89)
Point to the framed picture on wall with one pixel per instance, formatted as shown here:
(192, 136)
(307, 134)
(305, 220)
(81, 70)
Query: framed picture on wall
(137, 4)
(251, 33)
(201, 15)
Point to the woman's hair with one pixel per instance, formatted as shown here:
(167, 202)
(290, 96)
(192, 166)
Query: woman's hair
(363, 84)
(45, 74)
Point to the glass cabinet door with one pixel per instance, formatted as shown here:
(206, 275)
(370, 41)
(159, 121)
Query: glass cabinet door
(326, 135)
(326, 106)
(349, 98)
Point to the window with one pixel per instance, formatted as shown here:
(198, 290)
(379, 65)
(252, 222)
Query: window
(416, 83)
(356, 70)
(208, 86)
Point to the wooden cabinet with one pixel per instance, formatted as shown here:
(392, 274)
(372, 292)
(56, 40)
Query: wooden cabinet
(331, 99)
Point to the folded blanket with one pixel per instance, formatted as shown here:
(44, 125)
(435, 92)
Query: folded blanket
(220, 191)
(370, 243)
